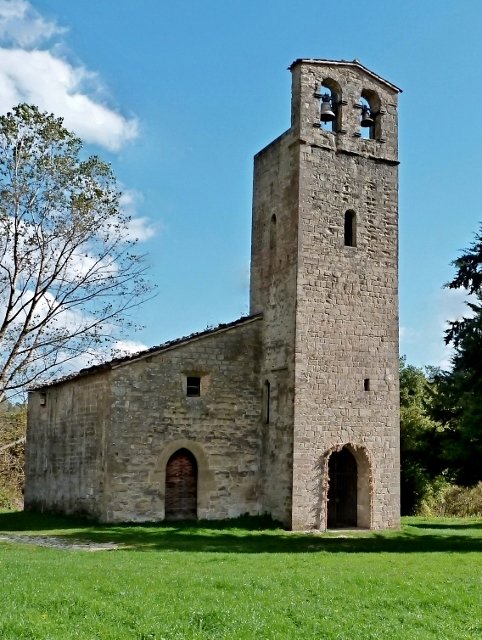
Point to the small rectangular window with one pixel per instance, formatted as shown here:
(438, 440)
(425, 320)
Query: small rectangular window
(193, 386)
(366, 384)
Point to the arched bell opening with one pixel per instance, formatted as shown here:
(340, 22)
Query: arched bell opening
(349, 492)
(370, 122)
(181, 486)
(330, 106)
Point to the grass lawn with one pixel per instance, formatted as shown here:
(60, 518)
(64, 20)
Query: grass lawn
(241, 580)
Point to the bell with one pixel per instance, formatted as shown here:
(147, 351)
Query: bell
(326, 112)
(366, 118)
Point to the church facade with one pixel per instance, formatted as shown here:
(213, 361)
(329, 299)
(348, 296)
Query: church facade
(292, 410)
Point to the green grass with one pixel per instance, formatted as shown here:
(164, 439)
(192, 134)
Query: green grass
(244, 579)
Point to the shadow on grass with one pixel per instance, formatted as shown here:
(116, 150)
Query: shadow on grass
(247, 535)
(447, 525)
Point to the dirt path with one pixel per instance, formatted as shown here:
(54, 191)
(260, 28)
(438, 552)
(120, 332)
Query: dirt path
(59, 543)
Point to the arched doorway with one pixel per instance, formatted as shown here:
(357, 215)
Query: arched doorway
(342, 489)
(181, 486)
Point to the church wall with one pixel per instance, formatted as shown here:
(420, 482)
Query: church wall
(152, 417)
(64, 457)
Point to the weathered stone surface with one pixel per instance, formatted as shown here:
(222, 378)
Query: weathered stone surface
(66, 430)
(280, 393)
(331, 311)
(101, 443)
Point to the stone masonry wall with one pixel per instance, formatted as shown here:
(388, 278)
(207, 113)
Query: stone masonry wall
(347, 311)
(64, 457)
(152, 418)
(273, 291)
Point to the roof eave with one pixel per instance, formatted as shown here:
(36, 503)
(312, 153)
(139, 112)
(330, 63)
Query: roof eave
(152, 351)
(345, 63)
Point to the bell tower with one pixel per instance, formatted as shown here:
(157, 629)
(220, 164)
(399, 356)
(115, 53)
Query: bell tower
(324, 273)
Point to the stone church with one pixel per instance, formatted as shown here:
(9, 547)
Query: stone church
(292, 410)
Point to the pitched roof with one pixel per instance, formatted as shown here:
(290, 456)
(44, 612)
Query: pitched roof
(140, 355)
(346, 63)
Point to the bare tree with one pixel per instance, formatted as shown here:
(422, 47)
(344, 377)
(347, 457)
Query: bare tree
(68, 269)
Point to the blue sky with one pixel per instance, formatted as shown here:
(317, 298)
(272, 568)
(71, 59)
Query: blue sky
(178, 96)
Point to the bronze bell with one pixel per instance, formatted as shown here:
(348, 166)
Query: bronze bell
(326, 111)
(366, 118)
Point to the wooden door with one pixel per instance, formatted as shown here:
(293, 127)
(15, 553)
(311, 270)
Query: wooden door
(181, 486)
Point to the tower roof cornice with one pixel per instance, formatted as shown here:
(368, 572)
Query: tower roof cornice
(345, 63)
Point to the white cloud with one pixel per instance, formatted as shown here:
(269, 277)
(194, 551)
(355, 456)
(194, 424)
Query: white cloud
(139, 228)
(446, 306)
(22, 25)
(450, 305)
(128, 347)
(408, 335)
(39, 76)
(424, 344)
(119, 349)
(130, 200)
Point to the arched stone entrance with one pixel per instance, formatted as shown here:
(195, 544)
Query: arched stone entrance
(342, 491)
(181, 486)
(347, 487)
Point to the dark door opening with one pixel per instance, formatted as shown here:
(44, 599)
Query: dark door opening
(181, 486)
(342, 492)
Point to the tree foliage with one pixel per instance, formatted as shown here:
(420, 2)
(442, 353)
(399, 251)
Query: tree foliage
(459, 401)
(441, 414)
(68, 268)
(419, 435)
(13, 424)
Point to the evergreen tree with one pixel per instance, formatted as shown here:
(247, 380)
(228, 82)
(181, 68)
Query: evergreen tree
(459, 401)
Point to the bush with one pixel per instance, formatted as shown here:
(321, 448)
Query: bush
(10, 498)
(444, 499)
(12, 452)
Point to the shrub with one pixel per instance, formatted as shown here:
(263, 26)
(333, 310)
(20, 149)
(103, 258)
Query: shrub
(444, 499)
(12, 452)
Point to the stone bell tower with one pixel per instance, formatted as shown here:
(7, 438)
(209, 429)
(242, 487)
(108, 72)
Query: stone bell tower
(325, 275)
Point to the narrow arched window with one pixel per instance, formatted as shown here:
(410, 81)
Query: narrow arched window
(266, 401)
(350, 229)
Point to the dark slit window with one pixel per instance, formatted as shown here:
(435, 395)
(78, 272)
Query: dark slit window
(272, 233)
(350, 229)
(266, 401)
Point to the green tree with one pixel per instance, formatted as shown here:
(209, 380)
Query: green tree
(419, 435)
(68, 267)
(459, 401)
